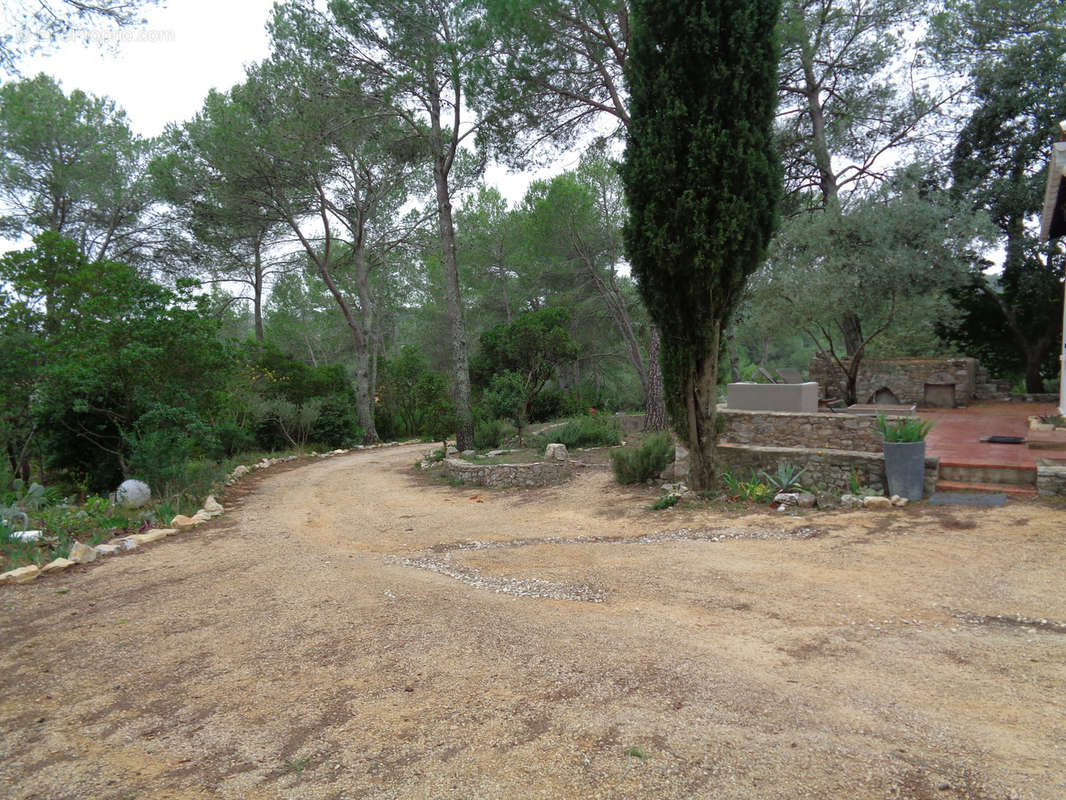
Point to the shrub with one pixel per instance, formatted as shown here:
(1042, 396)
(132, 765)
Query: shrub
(752, 489)
(590, 431)
(233, 439)
(490, 434)
(638, 464)
(665, 502)
(336, 425)
(552, 403)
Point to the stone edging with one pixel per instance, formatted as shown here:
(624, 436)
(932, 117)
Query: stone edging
(81, 553)
(505, 476)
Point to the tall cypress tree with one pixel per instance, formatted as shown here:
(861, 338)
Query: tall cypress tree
(703, 183)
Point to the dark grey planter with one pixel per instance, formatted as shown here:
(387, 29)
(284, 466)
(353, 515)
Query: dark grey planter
(905, 469)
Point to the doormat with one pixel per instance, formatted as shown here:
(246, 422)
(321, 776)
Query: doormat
(967, 499)
(1004, 439)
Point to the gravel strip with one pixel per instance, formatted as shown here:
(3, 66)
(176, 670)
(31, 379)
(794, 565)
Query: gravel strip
(539, 587)
(519, 587)
(680, 535)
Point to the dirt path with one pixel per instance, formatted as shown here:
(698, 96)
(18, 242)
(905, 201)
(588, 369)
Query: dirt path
(330, 638)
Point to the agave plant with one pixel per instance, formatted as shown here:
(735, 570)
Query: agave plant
(786, 479)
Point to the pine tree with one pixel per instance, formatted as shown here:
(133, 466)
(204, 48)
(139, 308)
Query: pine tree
(703, 183)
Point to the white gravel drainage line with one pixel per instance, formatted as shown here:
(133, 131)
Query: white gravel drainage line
(81, 553)
(518, 587)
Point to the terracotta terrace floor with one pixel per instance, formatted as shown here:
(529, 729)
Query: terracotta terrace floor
(957, 433)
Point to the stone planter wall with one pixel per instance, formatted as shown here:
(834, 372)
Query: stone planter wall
(831, 469)
(786, 429)
(502, 476)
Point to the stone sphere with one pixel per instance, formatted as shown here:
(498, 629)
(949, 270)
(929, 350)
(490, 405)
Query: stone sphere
(133, 494)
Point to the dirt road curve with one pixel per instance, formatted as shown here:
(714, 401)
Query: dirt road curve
(326, 638)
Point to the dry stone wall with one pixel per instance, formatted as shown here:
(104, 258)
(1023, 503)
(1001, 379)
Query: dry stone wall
(501, 476)
(831, 469)
(1050, 478)
(788, 429)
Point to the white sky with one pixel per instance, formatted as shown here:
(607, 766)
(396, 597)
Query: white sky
(161, 71)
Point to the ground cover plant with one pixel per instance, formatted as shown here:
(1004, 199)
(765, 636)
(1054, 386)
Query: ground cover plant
(645, 461)
(590, 430)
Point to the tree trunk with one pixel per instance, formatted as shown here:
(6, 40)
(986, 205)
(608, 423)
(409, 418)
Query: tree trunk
(363, 409)
(257, 301)
(851, 326)
(19, 462)
(364, 402)
(851, 376)
(464, 436)
(701, 402)
(1034, 357)
(364, 389)
(654, 403)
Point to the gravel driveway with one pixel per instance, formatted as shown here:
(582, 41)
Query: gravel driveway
(350, 629)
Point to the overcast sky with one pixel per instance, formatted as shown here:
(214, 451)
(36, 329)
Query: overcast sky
(162, 71)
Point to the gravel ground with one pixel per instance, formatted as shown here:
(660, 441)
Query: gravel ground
(350, 629)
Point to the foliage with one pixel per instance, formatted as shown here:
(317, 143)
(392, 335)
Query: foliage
(905, 429)
(664, 502)
(843, 106)
(556, 69)
(120, 357)
(491, 434)
(553, 403)
(293, 420)
(786, 479)
(505, 396)
(414, 60)
(161, 444)
(751, 489)
(71, 165)
(1018, 66)
(30, 25)
(413, 395)
(641, 463)
(702, 182)
(518, 360)
(594, 430)
(889, 256)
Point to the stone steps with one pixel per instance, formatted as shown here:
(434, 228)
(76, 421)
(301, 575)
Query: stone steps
(1006, 488)
(988, 474)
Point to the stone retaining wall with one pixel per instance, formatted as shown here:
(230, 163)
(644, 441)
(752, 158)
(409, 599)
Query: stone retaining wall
(787, 429)
(1050, 478)
(831, 469)
(502, 476)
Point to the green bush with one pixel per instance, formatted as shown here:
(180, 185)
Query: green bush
(490, 434)
(232, 439)
(638, 464)
(594, 430)
(336, 425)
(552, 403)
